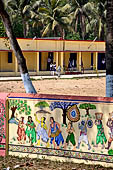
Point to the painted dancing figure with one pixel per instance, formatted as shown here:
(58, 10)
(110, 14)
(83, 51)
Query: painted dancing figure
(83, 134)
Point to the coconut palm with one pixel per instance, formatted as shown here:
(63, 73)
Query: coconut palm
(17, 50)
(109, 49)
(97, 23)
(20, 10)
(54, 16)
(81, 9)
(2, 30)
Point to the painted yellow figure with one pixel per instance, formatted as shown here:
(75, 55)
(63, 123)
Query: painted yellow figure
(41, 130)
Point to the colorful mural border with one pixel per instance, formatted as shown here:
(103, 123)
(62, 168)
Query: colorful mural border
(61, 153)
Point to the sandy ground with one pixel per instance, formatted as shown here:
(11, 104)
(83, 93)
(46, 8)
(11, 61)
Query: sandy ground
(81, 87)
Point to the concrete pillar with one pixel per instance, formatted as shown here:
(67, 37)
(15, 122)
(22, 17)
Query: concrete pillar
(95, 60)
(56, 59)
(62, 60)
(79, 58)
(37, 62)
(15, 64)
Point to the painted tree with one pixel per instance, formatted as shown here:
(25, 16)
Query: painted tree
(87, 107)
(42, 105)
(21, 106)
(17, 50)
(62, 105)
(2, 122)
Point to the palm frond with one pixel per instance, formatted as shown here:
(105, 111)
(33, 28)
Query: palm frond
(43, 10)
(46, 30)
(55, 23)
(65, 8)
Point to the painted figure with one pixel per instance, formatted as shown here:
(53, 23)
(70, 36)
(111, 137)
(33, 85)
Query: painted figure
(110, 125)
(83, 134)
(30, 130)
(41, 130)
(70, 137)
(21, 130)
(55, 133)
(100, 138)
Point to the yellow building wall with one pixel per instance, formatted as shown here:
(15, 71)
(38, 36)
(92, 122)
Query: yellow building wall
(30, 60)
(66, 59)
(4, 65)
(49, 45)
(54, 45)
(28, 44)
(86, 58)
(44, 58)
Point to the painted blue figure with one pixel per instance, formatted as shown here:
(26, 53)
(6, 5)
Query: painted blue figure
(55, 133)
(83, 134)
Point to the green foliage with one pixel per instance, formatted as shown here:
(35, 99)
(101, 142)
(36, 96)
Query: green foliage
(2, 30)
(87, 106)
(73, 36)
(70, 19)
(21, 105)
(42, 104)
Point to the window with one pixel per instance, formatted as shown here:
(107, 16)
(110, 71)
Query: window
(10, 57)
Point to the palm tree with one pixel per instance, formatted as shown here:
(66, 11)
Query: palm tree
(109, 49)
(81, 9)
(2, 30)
(20, 10)
(97, 23)
(54, 16)
(16, 48)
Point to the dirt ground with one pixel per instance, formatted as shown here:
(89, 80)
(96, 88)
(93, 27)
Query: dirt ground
(81, 87)
(12, 163)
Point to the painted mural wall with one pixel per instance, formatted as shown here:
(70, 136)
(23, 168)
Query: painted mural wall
(78, 129)
(3, 124)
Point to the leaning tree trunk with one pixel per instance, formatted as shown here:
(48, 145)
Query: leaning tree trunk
(109, 49)
(16, 48)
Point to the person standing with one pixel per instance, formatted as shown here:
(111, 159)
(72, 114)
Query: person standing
(59, 70)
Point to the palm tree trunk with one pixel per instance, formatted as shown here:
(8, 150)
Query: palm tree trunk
(109, 49)
(16, 48)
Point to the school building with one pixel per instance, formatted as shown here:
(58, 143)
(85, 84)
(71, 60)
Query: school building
(72, 55)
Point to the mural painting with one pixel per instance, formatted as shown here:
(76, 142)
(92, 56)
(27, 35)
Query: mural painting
(3, 124)
(80, 130)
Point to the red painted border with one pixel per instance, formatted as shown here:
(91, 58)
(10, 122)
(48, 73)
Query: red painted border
(68, 97)
(54, 39)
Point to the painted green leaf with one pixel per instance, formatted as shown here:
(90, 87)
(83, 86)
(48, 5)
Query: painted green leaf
(87, 106)
(42, 104)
